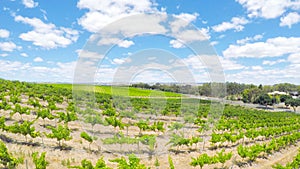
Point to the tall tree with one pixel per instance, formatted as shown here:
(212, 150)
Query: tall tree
(264, 99)
(294, 103)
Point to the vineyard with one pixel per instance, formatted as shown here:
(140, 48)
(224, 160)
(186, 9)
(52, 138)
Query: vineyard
(51, 126)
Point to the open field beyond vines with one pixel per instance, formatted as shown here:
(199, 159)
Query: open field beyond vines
(120, 91)
(50, 126)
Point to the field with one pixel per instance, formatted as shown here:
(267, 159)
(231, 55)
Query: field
(108, 129)
(121, 91)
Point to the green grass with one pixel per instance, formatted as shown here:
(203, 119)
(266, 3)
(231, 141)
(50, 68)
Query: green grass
(121, 91)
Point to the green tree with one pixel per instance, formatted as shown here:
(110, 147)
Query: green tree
(264, 99)
(149, 140)
(25, 128)
(294, 103)
(156, 163)
(133, 163)
(2, 123)
(110, 112)
(142, 125)
(285, 87)
(86, 164)
(20, 110)
(15, 99)
(171, 164)
(40, 162)
(284, 97)
(4, 105)
(223, 157)
(6, 159)
(158, 126)
(201, 160)
(119, 138)
(176, 126)
(101, 164)
(112, 120)
(44, 113)
(34, 103)
(67, 117)
(178, 140)
(249, 95)
(93, 120)
(60, 133)
(87, 137)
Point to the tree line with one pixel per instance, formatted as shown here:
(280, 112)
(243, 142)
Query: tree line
(232, 88)
(248, 93)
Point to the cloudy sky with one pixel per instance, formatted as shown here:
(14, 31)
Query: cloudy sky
(256, 41)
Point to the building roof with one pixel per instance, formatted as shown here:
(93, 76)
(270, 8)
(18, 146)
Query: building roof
(278, 93)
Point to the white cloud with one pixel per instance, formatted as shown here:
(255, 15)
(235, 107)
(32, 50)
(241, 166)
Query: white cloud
(3, 54)
(268, 9)
(4, 33)
(236, 24)
(228, 64)
(29, 3)
(118, 61)
(8, 46)
(198, 63)
(294, 58)
(59, 72)
(190, 35)
(113, 6)
(105, 75)
(221, 36)
(290, 19)
(187, 17)
(125, 44)
(6, 9)
(271, 62)
(104, 12)
(44, 14)
(249, 39)
(213, 43)
(38, 59)
(182, 20)
(182, 30)
(129, 27)
(93, 21)
(257, 68)
(137, 25)
(24, 54)
(260, 75)
(108, 41)
(176, 44)
(47, 35)
(7, 66)
(273, 47)
(89, 54)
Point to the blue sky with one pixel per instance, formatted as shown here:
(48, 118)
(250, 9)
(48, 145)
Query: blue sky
(256, 41)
